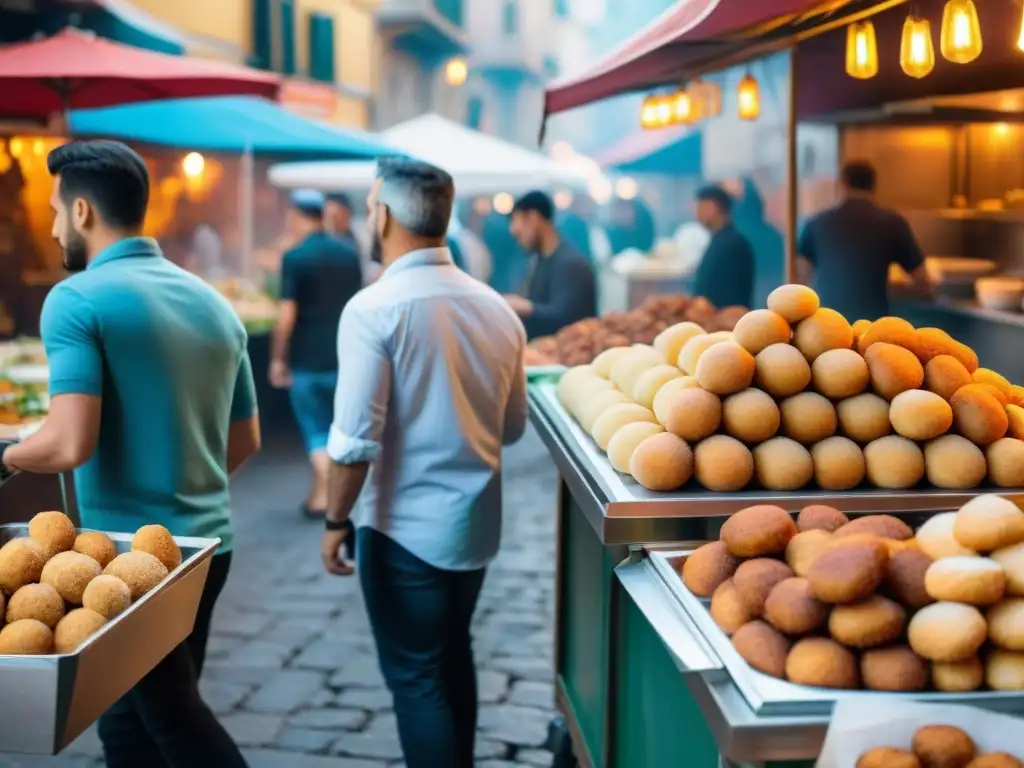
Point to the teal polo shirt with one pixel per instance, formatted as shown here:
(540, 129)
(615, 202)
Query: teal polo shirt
(167, 355)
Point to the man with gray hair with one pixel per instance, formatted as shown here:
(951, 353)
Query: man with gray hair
(434, 387)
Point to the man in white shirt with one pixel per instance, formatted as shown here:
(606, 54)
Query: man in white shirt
(433, 386)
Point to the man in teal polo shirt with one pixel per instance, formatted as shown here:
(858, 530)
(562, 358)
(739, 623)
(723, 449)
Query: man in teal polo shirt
(152, 403)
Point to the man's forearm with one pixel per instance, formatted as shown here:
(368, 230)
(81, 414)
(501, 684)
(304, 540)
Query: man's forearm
(344, 484)
(279, 342)
(42, 453)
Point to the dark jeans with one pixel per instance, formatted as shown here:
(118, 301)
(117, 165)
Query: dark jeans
(420, 617)
(162, 722)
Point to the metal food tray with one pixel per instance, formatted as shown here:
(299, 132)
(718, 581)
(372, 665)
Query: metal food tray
(623, 497)
(52, 699)
(770, 696)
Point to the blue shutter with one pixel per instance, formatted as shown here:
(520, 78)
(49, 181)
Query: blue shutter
(287, 29)
(262, 32)
(510, 18)
(474, 112)
(321, 47)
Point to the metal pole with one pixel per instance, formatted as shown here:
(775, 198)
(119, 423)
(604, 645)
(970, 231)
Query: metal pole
(247, 213)
(792, 174)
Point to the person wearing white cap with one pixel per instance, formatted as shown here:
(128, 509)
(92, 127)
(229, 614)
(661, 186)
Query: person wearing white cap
(318, 277)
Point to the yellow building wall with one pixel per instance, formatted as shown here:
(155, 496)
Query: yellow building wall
(227, 20)
(355, 40)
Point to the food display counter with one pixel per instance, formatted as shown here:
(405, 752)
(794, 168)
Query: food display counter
(643, 674)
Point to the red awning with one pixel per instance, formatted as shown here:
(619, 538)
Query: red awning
(76, 69)
(688, 31)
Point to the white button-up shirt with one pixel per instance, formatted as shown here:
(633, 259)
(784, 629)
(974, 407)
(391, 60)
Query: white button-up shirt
(431, 385)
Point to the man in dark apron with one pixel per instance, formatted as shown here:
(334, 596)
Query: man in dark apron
(725, 276)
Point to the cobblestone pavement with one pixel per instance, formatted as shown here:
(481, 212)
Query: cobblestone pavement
(292, 670)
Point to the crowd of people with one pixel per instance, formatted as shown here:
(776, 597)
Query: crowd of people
(406, 384)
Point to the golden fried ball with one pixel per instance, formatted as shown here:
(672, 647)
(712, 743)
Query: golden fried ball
(759, 329)
(159, 542)
(725, 368)
(889, 330)
(978, 416)
(751, 416)
(662, 462)
(952, 461)
(69, 573)
(1005, 459)
(934, 341)
(864, 417)
(783, 464)
(893, 462)
(108, 596)
(670, 342)
(26, 637)
(781, 371)
(651, 381)
(793, 302)
(838, 464)
(54, 531)
(75, 628)
(36, 601)
(723, 464)
(918, 414)
(691, 414)
(140, 570)
(944, 375)
(808, 417)
(21, 563)
(96, 545)
(893, 369)
(839, 373)
(824, 330)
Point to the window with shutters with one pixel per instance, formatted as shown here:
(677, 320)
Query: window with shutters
(321, 47)
(286, 27)
(262, 34)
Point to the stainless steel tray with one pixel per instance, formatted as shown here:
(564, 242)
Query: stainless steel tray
(769, 696)
(623, 497)
(50, 700)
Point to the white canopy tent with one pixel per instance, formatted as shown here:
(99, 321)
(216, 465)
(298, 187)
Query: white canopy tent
(480, 164)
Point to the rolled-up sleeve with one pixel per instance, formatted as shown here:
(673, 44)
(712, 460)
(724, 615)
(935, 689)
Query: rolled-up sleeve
(74, 351)
(364, 387)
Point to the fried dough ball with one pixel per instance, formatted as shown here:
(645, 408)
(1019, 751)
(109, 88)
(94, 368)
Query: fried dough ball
(96, 545)
(782, 464)
(589, 411)
(936, 538)
(692, 414)
(627, 369)
(989, 522)
(759, 329)
(958, 676)
(616, 417)
(932, 342)
(848, 571)
(840, 373)
(708, 567)
(670, 342)
(889, 330)
(781, 370)
(108, 596)
(942, 746)
(792, 608)
(762, 647)
(905, 576)
(996, 760)
(893, 462)
(725, 368)
(36, 601)
(26, 637)
(804, 548)
(944, 375)
(808, 418)
(978, 415)
(920, 415)
(54, 531)
(893, 669)
(988, 376)
(1005, 459)
(751, 416)
(824, 330)
(69, 573)
(75, 628)
(694, 349)
(838, 464)
(21, 563)
(1004, 670)
(1016, 395)
(723, 464)
(793, 302)
(988, 389)
(864, 417)
(952, 461)
(818, 517)
(728, 609)
(758, 531)
(756, 578)
(1015, 421)
(867, 624)
(651, 381)
(947, 632)
(822, 662)
(663, 400)
(887, 757)
(602, 364)
(625, 441)
(893, 369)
(883, 526)
(662, 462)
(141, 571)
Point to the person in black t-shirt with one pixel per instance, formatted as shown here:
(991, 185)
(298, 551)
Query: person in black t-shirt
(318, 277)
(560, 287)
(846, 251)
(725, 276)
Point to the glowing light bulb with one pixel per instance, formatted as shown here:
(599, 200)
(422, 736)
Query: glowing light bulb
(503, 203)
(649, 112)
(861, 50)
(456, 72)
(917, 54)
(748, 98)
(961, 32)
(193, 165)
(682, 108)
(626, 188)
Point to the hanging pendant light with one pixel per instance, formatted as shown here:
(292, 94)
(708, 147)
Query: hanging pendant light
(748, 98)
(1020, 36)
(684, 108)
(917, 53)
(960, 40)
(861, 50)
(649, 112)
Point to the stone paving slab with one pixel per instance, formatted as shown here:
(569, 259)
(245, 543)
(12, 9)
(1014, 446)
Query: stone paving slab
(292, 671)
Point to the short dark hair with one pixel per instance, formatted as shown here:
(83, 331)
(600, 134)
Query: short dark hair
(420, 196)
(110, 175)
(715, 194)
(535, 201)
(340, 198)
(859, 175)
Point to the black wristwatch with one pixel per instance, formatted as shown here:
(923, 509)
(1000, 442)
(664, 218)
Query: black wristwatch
(350, 535)
(330, 525)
